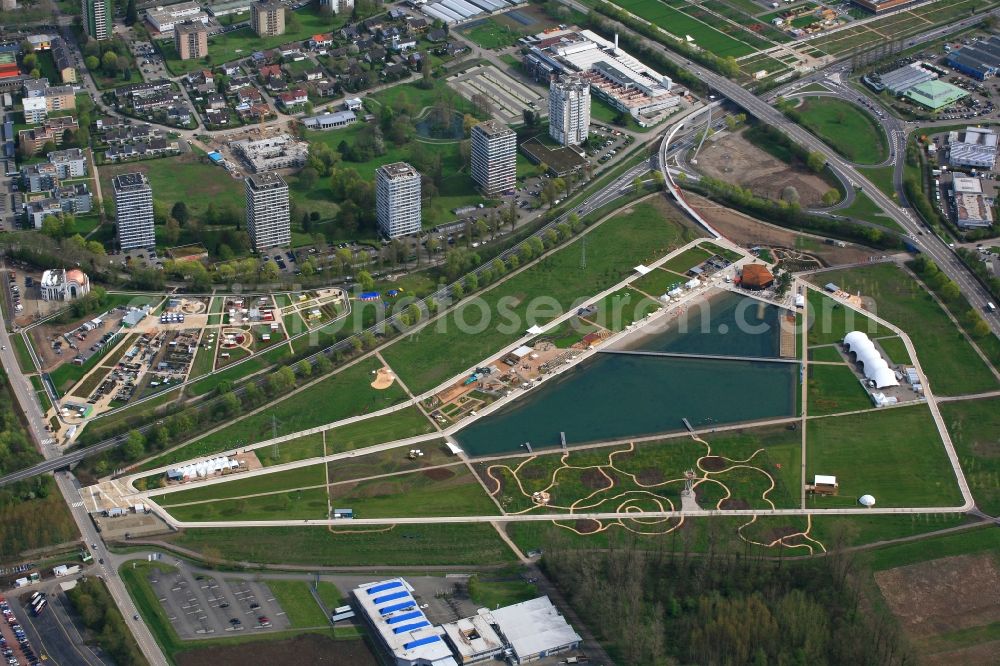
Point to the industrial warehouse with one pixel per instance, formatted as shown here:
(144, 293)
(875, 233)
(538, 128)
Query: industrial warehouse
(518, 634)
(614, 76)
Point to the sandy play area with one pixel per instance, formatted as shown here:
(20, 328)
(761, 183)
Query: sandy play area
(383, 379)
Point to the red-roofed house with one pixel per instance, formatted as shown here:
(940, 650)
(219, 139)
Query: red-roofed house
(320, 41)
(293, 98)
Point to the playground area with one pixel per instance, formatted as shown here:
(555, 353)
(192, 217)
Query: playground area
(384, 378)
(313, 308)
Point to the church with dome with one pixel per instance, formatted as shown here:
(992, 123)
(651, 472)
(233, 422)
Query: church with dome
(61, 285)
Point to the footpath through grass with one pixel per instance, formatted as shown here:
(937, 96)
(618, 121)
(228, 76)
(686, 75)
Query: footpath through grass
(894, 454)
(502, 313)
(844, 127)
(300, 477)
(438, 492)
(941, 348)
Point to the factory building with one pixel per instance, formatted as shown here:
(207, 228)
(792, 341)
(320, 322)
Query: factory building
(977, 148)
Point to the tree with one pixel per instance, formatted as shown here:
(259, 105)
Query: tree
(30, 61)
(135, 446)
(831, 197)
(92, 63)
(52, 226)
(109, 63)
(308, 177)
(131, 15)
(366, 280)
(815, 161)
(180, 213)
(269, 271)
(172, 231)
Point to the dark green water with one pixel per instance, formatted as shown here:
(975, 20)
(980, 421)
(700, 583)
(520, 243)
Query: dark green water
(612, 396)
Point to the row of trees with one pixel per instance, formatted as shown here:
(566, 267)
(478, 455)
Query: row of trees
(665, 607)
(107, 626)
(951, 294)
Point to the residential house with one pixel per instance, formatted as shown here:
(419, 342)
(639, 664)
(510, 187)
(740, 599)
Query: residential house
(152, 102)
(375, 54)
(416, 24)
(437, 34)
(353, 104)
(53, 129)
(373, 24)
(40, 177)
(293, 98)
(327, 88)
(350, 32)
(395, 71)
(239, 82)
(179, 114)
(216, 117)
(215, 101)
(400, 44)
(36, 211)
(69, 163)
(317, 42)
(74, 198)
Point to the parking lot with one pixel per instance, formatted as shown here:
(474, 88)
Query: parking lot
(200, 606)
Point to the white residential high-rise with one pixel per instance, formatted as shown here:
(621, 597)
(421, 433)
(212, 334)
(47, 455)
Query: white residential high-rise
(569, 110)
(494, 157)
(338, 6)
(268, 214)
(134, 211)
(397, 199)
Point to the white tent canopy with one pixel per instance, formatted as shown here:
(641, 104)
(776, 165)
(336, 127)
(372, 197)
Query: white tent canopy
(874, 366)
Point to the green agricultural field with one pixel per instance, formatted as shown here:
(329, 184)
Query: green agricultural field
(173, 179)
(439, 492)
(830, 321)
(404, 423)
(939, 346)
(410, 545)
(834, 389)
(292, 479)
(298, 603)
(974, 425)
(846, 128)
(435, 353)
(339, 396)
(291, 505)
(491, 35)
(204, 361)
(894, 454)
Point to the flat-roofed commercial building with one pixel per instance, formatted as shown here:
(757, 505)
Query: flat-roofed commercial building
(267, 18)
(977, 148)
(972, 210)
(268, 213)
(534, 629)
(494, 157)
(397, 199)
(191, 40)
(133, 211)
(164, 19)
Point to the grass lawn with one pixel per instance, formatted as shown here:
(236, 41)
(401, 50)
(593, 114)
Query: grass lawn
(300, 477)
(175, 178)
(686, 260)
(603, 112)
(834, 389)
(881, 177)
(23, 355)
(894, 349)
(310, 446)
(243, 42)
(618, 310)
(293, 505)
(408, 422)
(494, 594)
(844, 127)
(894, 454)
(939, 345)
(639, 234)
(298, 603)
(238, 372)
(857, 530)
(329, 594)
(974, 425)
(491, 35)
(863, 208)
(442, 492)
(204, 361)
(658, 282)
(825, 354)
(984, 540)
(419, 545)
(830, 321)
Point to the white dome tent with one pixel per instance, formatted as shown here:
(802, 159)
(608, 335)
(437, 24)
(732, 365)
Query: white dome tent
(874, 366)
(866, 501)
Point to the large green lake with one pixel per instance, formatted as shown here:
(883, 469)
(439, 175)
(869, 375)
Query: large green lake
(612, 396)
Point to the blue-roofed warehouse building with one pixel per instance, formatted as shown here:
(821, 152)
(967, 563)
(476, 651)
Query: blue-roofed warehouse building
(980, 60)
(402, 628)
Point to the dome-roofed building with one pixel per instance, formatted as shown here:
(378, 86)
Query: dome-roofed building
(866, 500)
(871, 361)
(61, 285)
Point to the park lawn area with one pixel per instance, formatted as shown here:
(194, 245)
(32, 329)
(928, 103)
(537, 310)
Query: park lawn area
(497, 593)
(339, 396)
(834, 389)
(240, 485)
(983, 540)
(681, 25)
(657, 282)
(880, 527)
(413, 98)
(301, 448)
(603, 112)
(687, 260)
(619, 310)
(23, 354)
(489, 34)
(298, 603)
(292, 505)
(828, 353)
(390, 461)
(438, 492)
(409, 545)
(894, 454)
(846, 128)
(174, 179)
(973, 425)
(204, 361)
(404, 423)
(895, 350)
(239, 372)
(863, 208)
(830, 321)
(881, 177)
(241, 43)
(939, 345)
(434, 353)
